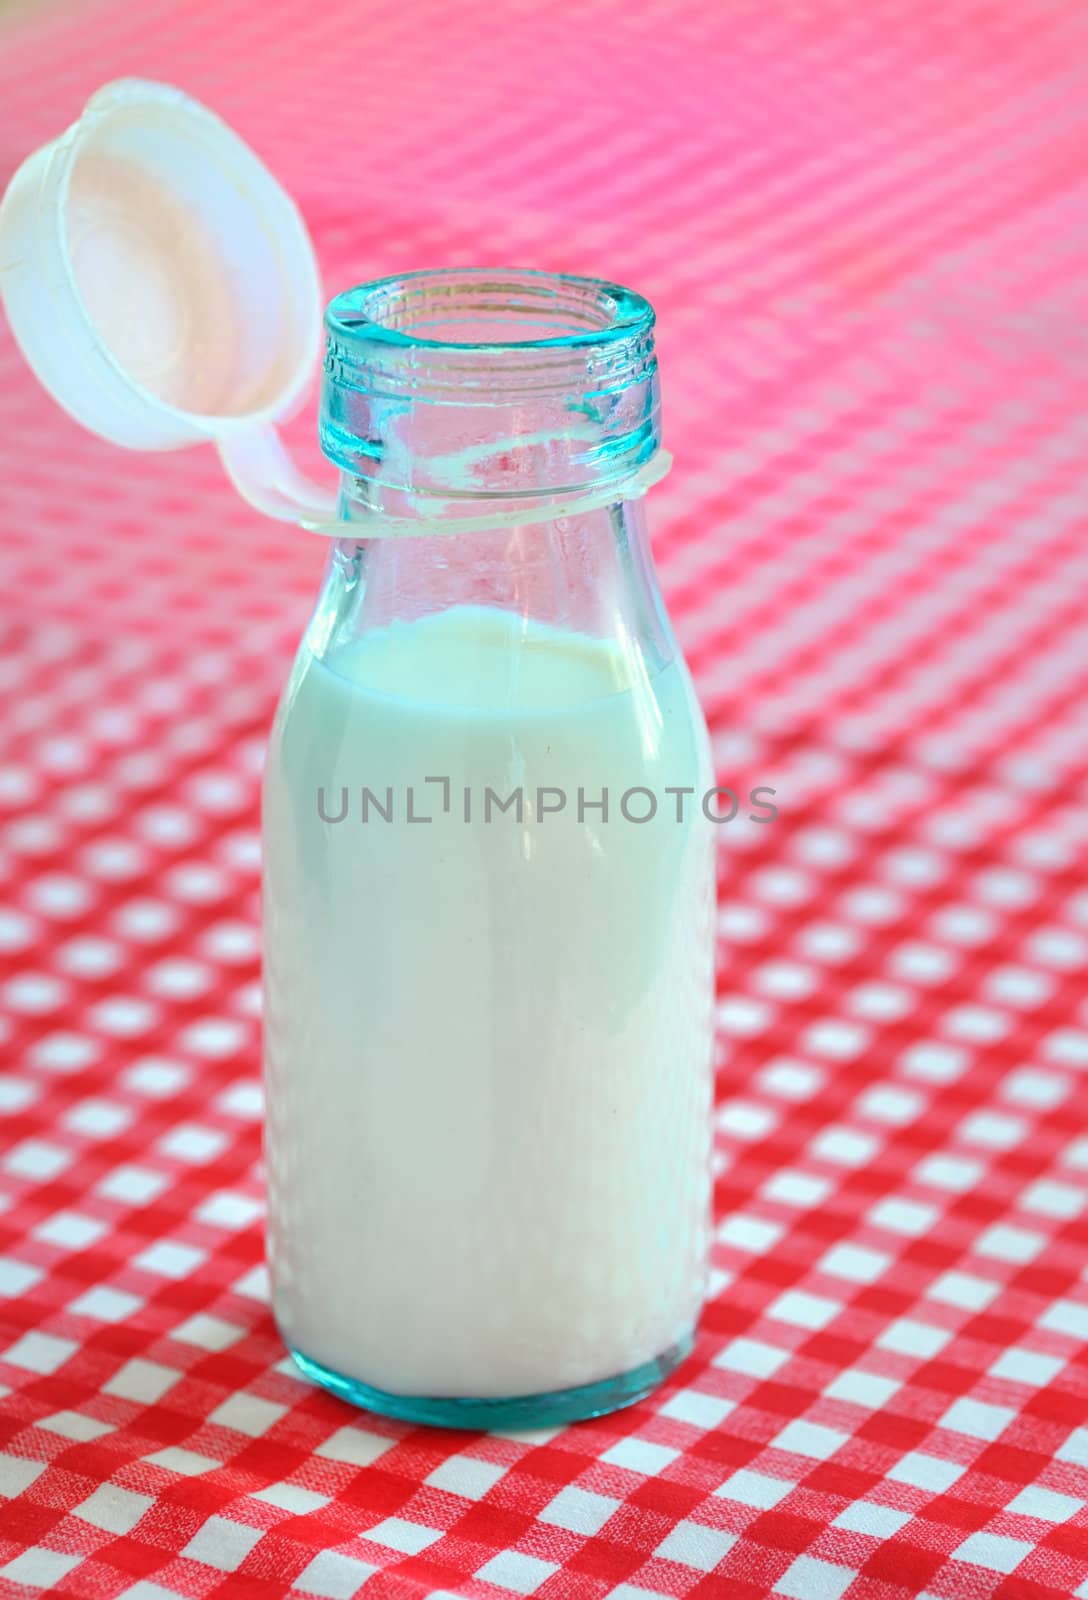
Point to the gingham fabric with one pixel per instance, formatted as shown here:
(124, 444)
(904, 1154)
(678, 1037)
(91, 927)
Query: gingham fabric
(866, 232)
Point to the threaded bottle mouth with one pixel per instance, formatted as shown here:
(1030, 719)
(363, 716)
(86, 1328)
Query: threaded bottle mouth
(485, 319)
(489, 383)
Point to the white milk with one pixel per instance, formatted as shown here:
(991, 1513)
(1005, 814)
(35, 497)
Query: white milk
(488, 1045)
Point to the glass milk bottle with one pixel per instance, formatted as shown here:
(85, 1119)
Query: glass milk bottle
(489, 876)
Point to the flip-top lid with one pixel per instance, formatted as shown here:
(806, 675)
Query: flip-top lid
(163, 286)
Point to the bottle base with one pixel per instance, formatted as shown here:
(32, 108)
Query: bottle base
(522, 1411)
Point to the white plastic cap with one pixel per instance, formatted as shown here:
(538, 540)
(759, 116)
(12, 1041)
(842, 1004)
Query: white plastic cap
(163, 287)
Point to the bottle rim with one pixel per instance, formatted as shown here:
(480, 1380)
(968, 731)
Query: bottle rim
(586, 313)
(489, 384)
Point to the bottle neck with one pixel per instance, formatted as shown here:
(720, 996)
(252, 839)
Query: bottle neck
(371, 506)
(494, 430)
(484, 396)
(590, 574)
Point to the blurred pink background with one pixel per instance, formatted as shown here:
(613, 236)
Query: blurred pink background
(865, 230)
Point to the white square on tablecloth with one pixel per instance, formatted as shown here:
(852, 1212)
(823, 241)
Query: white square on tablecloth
(888, 1102)
(248, 1413)
(991, 1128)
(964, 1290)
(214, 1037)
(105, 1304)
(909, 1217)
(749, 1488)
(192, 1143)
(744, 1119)
(926, 1472)
(254, 1284)
(934, 1060)
(510, 1569)
(1076, 1154)
(227, 1210)
(243, 1099)
(156, 1078)
(333, 1576)
(790, 1079)
(98, 1119)
(1047, 1505)
(113, 1509)
(72, 1425)
(38, 1569)
(186, 1462)
(1075, 1448)
(809, 1439)
(141, 1380)
(993, 1550)
(695, 1545)
(133, 1185)
(955, 1173)
(804, 1310)
(640, 1455)
(1068, 1046)
(861, 1388)
(810, 1579)
(17, 1473)
(292, 1497)
(879, 1522)
(754, 1234)
(977, 1419)
(796, 1188)
(70, 1231)
(16, 1277)
(37, 1160)
(1030, 1086)
(40, 1352)
(579, 1510)
(752, 1357)
(169, 1259)
(910, 1338)
(837, 1039)
(64, 1052)
(1058, 1200)
(1068, 1317)
(355, 1446)
(1026, 1366)
(701, 1410)
(15, 1095)
(1007, 1243)
(400, 1534)
(222, 1544)
(467, 1476)
(854, 1262)
(208, 1333)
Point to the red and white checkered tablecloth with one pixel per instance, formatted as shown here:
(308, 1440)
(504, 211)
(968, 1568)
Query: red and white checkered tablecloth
(866, 232)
